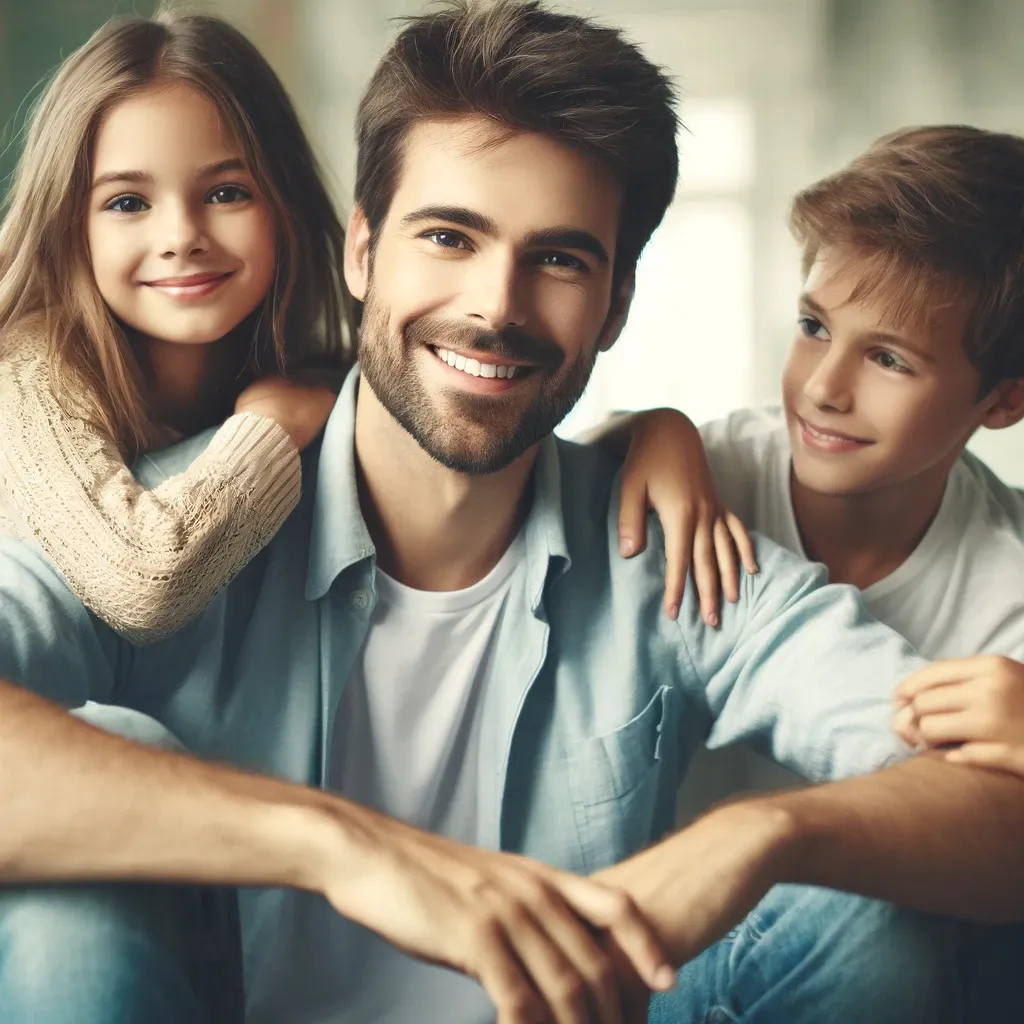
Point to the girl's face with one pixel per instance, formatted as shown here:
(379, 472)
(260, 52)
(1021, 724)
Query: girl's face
(181, 242)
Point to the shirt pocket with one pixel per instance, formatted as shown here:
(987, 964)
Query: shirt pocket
(615, 785)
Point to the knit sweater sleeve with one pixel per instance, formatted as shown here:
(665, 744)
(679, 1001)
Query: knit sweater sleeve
(145, 561)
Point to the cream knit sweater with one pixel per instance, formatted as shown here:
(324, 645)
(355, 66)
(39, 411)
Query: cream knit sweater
(146, 561)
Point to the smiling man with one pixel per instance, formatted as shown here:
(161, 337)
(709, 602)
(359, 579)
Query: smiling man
(451, 696)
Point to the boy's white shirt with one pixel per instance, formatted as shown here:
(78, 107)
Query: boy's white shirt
(961, 592)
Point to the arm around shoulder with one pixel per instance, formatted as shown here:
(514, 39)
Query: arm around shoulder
(147, 562)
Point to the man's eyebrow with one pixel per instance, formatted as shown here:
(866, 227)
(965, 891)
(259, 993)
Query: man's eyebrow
(561, 237)
(233, 163)
(882, 336)
(460, 215)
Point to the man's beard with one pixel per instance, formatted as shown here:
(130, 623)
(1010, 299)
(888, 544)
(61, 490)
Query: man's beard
(482, 433)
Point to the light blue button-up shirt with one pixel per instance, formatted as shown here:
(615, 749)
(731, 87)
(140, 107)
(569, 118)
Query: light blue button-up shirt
(598, 700)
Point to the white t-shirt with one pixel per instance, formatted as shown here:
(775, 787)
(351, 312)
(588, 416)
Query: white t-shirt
(405, 744)
(961, 591)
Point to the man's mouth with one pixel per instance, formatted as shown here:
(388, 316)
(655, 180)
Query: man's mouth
(475, 366)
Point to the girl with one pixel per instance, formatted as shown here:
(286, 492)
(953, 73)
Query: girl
(168, 241)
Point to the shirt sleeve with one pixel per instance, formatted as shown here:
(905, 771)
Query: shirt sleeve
(49, 643)
(800, 669)
(146, 561)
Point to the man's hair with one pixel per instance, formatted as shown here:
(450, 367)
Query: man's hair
(530, 70)
(937, 213)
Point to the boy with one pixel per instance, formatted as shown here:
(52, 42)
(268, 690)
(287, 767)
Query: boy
(910, 336)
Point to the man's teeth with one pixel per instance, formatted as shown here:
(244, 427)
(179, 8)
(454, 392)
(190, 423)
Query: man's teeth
(474, 367)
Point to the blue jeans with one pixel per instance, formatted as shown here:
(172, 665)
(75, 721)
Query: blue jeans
(816, 956)
(120, 953)
(150, 954)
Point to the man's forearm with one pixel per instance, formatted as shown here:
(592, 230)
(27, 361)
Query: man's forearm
(925, 834)
(79, 804)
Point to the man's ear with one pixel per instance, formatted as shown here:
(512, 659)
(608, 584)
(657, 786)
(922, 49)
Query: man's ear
(357, 254)
(1005, 405)
(622, 299)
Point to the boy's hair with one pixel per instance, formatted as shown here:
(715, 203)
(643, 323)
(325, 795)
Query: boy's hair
(529, 70)
(938, 214)
(44, 260)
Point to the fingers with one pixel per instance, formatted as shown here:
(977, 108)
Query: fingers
(744, 545)
(940, 673)
(948, 697)
(632, 515)
(728, 565)
(678, 552)
(572, 976)
(612, 910)
(500, 973)
(705, 571)
(946, 727)
(1003, 756)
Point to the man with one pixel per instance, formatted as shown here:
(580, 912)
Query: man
(444, 635)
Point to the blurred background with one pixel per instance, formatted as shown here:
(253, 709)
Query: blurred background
(775, 93)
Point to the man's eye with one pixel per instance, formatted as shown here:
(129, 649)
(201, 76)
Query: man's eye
(127, 204)
(228, 194)
(446, 239)
(562, 259)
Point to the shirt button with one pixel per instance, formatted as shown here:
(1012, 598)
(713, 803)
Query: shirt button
(360, 600)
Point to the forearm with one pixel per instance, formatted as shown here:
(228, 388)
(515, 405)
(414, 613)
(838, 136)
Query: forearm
(925, 834)
(80, 804)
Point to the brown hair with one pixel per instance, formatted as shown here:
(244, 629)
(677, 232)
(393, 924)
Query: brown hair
(44, 261)
(530, 70)
(938, 215)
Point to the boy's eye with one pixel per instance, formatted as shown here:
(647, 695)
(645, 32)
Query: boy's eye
(228, 194)
(812, 326)
(447, 239)
(127, 204)
(890, 362)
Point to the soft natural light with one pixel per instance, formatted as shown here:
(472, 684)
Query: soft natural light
(687, 342)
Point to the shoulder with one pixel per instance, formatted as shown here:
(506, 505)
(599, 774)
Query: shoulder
(979, 488)
(745, 431)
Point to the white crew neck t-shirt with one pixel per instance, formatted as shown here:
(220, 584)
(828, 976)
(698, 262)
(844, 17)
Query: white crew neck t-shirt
(406, 737)
(961, 591)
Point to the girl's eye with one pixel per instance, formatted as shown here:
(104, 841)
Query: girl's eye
(228, 194)
(561, 259)
(811, 327)
(888, 361)
(127, 204)
(447, 239)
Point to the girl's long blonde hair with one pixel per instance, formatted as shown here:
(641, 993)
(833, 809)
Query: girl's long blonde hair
(44, 260)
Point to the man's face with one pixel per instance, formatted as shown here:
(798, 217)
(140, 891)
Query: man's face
(488, 291)
(869, 402)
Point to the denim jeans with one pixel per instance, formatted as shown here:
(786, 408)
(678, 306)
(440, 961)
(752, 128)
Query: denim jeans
(816, 956)
(151, 954)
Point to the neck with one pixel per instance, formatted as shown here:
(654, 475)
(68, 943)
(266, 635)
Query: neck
(191, 387)
(862, 538)
(434, 529)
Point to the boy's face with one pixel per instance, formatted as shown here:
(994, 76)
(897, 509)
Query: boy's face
(488, 293)
(871, 403)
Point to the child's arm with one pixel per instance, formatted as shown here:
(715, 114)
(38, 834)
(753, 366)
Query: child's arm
(666, 469)
(976, 703)
(148, 561)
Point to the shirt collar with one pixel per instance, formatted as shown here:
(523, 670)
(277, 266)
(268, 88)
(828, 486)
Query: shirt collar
(339, 537)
